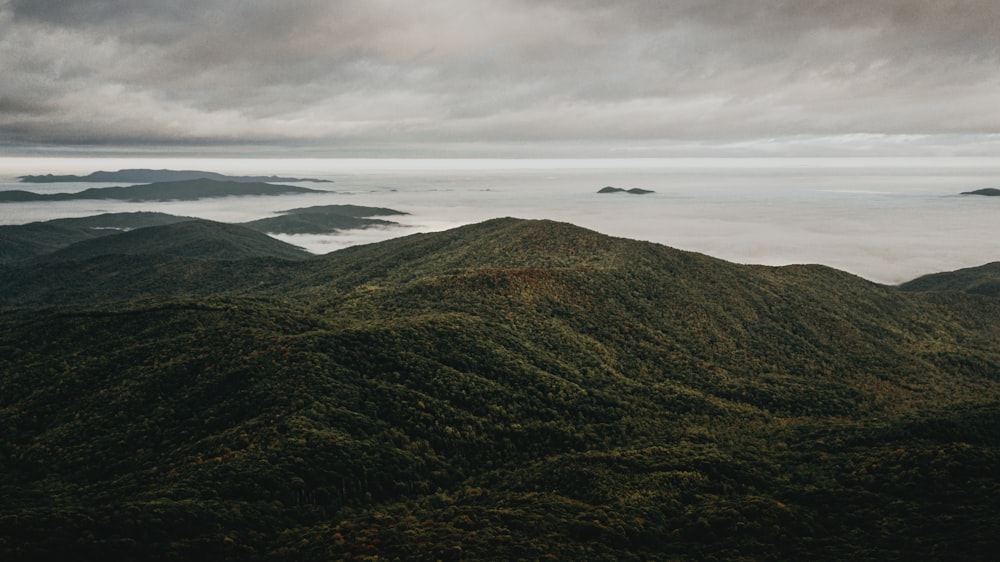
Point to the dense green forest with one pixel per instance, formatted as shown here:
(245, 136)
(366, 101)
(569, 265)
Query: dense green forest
(507, 390)
(76, 238)
(982, 280)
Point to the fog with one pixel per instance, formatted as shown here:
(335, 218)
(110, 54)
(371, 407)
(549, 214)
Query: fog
(888, 220)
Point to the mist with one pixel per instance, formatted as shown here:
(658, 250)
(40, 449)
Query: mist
(887, 220)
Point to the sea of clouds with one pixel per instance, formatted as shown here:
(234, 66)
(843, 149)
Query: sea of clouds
(888, 220)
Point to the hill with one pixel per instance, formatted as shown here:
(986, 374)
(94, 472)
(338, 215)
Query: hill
(194, 238)
(323, 219)
(506, 390)
(633, 191)
(989, 191)
(186, 190)
(142, 175)
(22, 242)
(19, 243)
(982, 280)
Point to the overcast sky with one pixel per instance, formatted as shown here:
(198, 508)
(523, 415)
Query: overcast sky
(501, 77)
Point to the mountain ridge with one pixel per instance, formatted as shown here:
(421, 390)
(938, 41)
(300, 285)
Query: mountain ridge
(181, 190)
(511, 389)
(19, 243)
(145, 175)
(981, 280)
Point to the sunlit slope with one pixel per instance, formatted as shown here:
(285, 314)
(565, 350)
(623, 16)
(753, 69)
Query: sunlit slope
(507, 390)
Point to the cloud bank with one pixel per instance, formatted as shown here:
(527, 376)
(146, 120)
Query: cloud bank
(505, 77)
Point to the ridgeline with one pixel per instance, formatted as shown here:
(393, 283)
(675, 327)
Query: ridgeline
(182, 190)
(507, 390)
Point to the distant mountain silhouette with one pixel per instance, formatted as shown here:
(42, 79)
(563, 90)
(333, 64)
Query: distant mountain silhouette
(184, 190)
(23, 242)
(988, 191)
(634, 190)
(323, 219)
(142, 175)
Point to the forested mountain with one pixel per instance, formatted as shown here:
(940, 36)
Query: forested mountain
(191, 238)
(506, 390)
(982, 280)
(39, 241)
(25, 241)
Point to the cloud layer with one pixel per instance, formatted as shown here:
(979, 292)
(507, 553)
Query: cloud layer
(385, 76)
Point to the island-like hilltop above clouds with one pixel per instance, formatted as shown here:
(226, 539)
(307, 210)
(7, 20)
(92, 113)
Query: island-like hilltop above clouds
(141, 175)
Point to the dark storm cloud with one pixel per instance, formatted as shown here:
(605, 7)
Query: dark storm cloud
(384, 73)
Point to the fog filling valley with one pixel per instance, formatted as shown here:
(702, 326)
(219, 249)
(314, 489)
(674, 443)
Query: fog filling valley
(888, 220)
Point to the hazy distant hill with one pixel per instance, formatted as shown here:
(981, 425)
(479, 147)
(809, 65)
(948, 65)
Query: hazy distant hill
(989, 191)
(982, 280)
(323, 219)
(21, 242)
(633, 191)
(506, 390)
(186, 190)
(154, 176)
(193, 238)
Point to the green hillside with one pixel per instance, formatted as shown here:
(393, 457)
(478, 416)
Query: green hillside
(982, 280)
(22, 242)
(506, 390)
(192, 238)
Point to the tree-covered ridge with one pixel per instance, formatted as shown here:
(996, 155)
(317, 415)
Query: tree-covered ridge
(193, 238)
(21, 243)
(507, 390)
(981, 280)
(26, 241)
(181, 190)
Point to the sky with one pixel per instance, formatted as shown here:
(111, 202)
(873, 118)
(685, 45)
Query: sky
(500, 78)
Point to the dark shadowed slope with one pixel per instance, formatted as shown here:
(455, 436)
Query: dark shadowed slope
(187, 190)
(323, 219)
(506, 390)
(151, 176)
(989, 191)
(22, 242)
(193, 238)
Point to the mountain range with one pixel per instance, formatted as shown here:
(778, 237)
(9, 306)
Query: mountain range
(142, 175)
(513, 389)
(183, 190)
(70, 238)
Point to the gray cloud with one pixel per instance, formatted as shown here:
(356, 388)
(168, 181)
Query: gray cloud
(386, 74)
